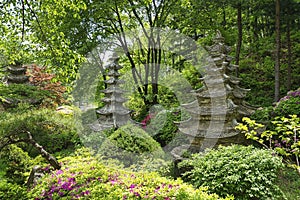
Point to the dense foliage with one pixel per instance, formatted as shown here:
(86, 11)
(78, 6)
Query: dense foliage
(62, 35)
(245, 172)
(51, 129)
(129, 144)
(92, 180)
(11, 95)
(283, 137)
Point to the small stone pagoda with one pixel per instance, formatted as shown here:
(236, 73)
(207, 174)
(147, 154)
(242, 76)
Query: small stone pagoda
(220, 103)
(113, 114)
(17, 74)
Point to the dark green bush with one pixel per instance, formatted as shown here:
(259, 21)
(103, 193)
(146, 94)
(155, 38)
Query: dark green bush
(53, 130)
(128, 144)
(162, 127)
(245, 172)
(11, 95)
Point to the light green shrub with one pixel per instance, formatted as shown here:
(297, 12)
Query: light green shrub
(245, 172)
(12, 191)
(129, 144)
(283, 137)
(14, 162)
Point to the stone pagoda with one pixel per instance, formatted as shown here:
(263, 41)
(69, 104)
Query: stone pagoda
(17, 74)
(219, 104)
(113, 114)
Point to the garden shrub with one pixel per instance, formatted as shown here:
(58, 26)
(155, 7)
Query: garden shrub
(283, 137)
(128, 143)
(245, 172)
(12, 191)
(13, 94)
(14, 162)
(43, 80)
(84, 177)
(288, 105)
(52, 130)
(162, 127)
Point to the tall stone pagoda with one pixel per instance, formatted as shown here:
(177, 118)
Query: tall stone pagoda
(113, 114)
(219, 104)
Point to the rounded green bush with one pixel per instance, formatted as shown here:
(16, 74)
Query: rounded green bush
(128, 144)
(134, 139)
(245, 172)
(82, 176)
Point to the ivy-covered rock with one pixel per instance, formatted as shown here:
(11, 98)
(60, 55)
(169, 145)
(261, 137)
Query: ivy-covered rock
(289, 104)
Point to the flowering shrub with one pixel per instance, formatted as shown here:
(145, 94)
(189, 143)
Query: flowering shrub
(289, 105)
(245, 172)
(83, 177)
(284, 138)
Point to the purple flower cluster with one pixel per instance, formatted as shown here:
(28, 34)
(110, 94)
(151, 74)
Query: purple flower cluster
(133, 188)
(290, 94)
(294, 93)
(67, 187)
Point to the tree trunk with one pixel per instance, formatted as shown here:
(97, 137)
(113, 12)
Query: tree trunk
(277, 52)
(240, 38)
(288, 35)
(52, 160)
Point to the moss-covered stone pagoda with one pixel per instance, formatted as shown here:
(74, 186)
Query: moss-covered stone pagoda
(220, 103)
(113, 114)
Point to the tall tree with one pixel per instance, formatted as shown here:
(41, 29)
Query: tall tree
(240, 36)
(277, 52)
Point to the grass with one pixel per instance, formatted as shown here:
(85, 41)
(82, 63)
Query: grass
(289, 183)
